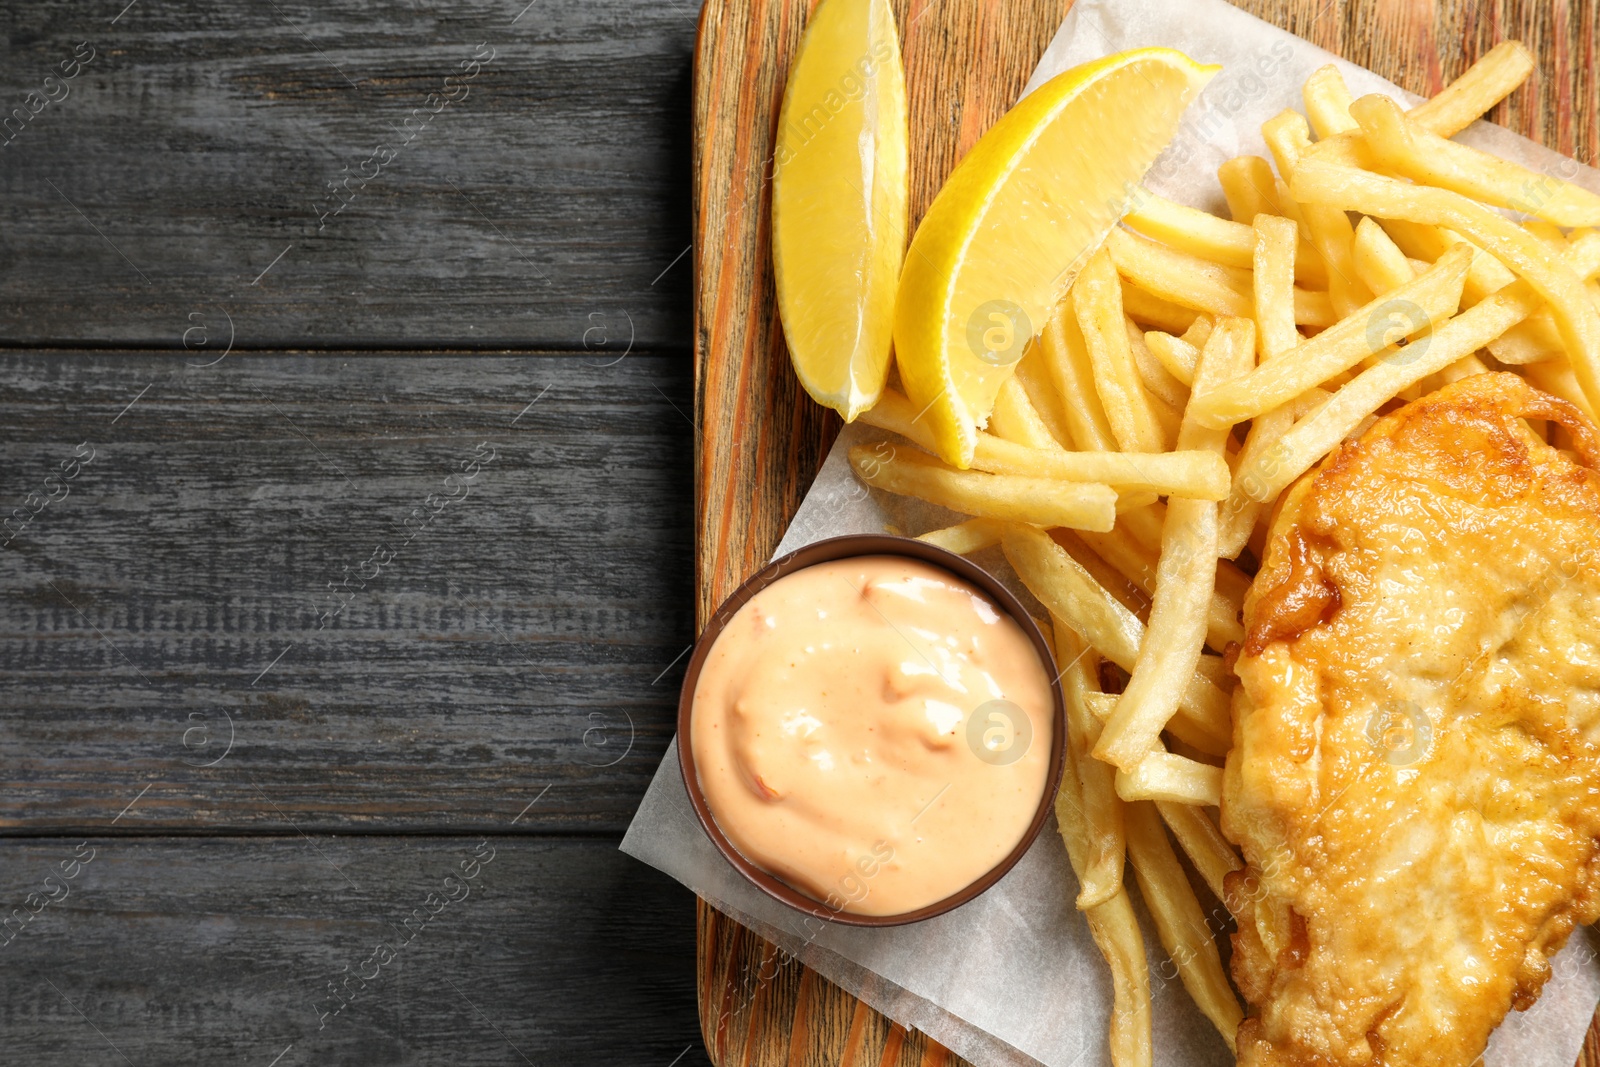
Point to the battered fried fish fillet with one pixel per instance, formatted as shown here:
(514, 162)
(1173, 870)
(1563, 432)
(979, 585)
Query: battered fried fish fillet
(1415, 776)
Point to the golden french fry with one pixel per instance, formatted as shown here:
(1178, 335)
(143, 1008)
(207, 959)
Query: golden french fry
(1233, 585)
(1134, 499)
(1378, 260)
(1202, 234)
(1372, 194)
(1190, 473)
(1213, 857)
(1174, 353)
(1287, 136)
(1104, 574)
(1273, 280)
(965, 538)
(1483, 85)
(1382, 267)
(1533, 340)
(1547, 232)
(1275, 245)
(1320, 432)
(1097, 301)
(1175, 781)
(1410, 309)
(1164, 667)
(1199, 332)
(1166, 776)
(1190, 230)
(910, 472)
(1328, 102)
(1101, 878)
(1182, 926)
(1033, 374)
(1487, 274)
(1063, 586)
(1536, 338)
(1153, 374)
(1015, 420)
(1115, 929)
(1408, 149)
(1061, 345)
(1145, 526)
(1179, 277)
(1250, 188)
(1151, 310)
(1314, 309)
(1185, 580)
(1193, 473)
(1137, 564)
(1227, 355)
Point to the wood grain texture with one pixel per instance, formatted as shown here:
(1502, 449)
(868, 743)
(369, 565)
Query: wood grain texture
(189, 953)
(526, 638)
(761, 439)
(198, 144)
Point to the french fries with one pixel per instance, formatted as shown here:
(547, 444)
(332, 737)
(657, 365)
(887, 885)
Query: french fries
(1322, 430)
(1328, 102)
(1213, 857)
(1115, 929)
(1177, 355)
(1097, 302)
(1193, 473)
(1372, 194)
(1179, 921)
(1062, 349)
(1331, 234)
(1196, 368)
(1412, 308)
(1250, 188)
(1101, 876)
(1169, 777)
(1185, 581)
(1487, 82)
(965, 538)
(1203, 234)
(911, 472)
(1274, 250)
(1015, 419)
(1073, 596)
(1422, 156)
(1137, 564)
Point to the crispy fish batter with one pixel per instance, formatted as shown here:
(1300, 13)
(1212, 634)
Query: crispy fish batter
(1415, 775)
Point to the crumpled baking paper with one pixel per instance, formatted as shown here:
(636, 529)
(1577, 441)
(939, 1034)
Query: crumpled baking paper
(1013, 977)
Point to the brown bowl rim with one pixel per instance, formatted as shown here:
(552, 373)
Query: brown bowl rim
(827, 551)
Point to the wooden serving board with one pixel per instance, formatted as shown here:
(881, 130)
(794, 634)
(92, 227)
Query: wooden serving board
(761, 439)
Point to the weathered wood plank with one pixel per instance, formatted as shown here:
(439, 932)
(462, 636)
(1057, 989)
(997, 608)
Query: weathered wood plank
(499, 648)
(198, 142)
(223, 951)
(761, 438)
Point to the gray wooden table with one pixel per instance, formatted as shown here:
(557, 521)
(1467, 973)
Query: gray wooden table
(346, 566)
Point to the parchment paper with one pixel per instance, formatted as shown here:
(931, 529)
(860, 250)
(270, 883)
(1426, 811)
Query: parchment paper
(1012, 977)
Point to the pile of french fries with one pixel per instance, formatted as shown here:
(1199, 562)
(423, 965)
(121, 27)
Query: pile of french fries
(1196, 367)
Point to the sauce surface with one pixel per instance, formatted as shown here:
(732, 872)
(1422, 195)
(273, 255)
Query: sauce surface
(874, 732)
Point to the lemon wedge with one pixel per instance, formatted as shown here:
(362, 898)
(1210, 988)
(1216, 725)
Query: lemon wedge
(839, 202)
(1016, 219)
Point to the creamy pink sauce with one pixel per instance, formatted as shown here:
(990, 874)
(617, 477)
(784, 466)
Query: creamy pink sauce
(874, 732)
